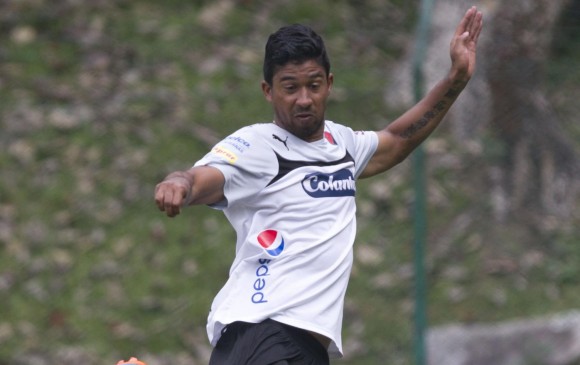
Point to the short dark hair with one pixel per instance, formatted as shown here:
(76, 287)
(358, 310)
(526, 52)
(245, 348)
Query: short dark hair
(293, 43)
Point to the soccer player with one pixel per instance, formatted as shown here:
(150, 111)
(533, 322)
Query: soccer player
(288, 189)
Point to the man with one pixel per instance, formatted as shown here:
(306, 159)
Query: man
(288, 190)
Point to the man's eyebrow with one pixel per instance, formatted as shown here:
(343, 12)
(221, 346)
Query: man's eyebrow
(288, 78)
(313, 75)
(316, 75)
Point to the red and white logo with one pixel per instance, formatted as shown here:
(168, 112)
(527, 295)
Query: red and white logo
(329, 137)
(271, 241)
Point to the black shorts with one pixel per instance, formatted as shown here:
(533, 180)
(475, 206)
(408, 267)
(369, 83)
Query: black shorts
(267, 343)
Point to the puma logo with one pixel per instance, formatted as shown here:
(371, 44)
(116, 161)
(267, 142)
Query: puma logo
(283, 141)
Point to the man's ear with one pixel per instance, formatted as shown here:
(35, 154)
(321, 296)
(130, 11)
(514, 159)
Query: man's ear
(330, 81)
(267, 90)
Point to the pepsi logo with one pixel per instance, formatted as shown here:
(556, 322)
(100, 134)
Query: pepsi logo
(271, 241)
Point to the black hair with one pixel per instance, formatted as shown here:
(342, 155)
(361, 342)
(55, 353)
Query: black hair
(293, 43)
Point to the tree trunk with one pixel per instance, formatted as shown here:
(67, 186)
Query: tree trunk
(534, 171)
(539, 166)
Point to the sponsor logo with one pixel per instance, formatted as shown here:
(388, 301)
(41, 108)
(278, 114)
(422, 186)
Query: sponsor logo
(226, 154)
(319, 185)
(272, 242)
(262, 271)
(238, 143)
(284, 141)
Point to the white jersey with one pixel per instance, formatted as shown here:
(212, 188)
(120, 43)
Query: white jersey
(292, 205)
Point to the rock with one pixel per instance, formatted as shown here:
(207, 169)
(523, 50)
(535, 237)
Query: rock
(552, 340)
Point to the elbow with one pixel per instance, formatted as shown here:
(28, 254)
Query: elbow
(401, 155)
(405, 147)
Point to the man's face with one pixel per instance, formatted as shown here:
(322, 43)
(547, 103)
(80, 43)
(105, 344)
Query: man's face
(298, 94)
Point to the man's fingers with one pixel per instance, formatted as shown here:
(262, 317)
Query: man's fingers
(159, 200)
(474, 24)
(477, 25)
(465, 22)
(172, 202)
(471, 23)
(467, 33)
(178, 196)
(169, 199)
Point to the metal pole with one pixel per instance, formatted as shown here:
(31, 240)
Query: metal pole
(419, 214)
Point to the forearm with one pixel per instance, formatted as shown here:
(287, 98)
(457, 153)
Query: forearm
(402, 136)
(198, 185)
(419, 122)
(205, 184)
(415, 125)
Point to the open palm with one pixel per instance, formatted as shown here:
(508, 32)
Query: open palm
(464, 44)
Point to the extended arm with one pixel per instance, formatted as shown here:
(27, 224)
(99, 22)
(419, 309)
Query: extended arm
(404, 134)
(198, 185)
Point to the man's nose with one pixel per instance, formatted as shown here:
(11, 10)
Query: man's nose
(304, 98)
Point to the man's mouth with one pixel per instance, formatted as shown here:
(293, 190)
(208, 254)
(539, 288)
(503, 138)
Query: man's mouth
(303, 116)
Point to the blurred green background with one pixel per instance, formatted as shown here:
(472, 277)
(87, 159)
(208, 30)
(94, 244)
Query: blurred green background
(100, 100)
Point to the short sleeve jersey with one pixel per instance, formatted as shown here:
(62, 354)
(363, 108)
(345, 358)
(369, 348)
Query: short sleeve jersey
(292, 205)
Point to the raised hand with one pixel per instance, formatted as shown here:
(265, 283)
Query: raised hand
(464, 45)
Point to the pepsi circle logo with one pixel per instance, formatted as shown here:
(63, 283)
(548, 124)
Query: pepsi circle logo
(271, 241)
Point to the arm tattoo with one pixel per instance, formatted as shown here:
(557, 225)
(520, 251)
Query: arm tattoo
(439, 107)
(454, 90)
(413, 128)
(425, 119)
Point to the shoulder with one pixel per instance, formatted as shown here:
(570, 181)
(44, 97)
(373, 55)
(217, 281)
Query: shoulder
(247, 144)
(347, 133)
(253, 134)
